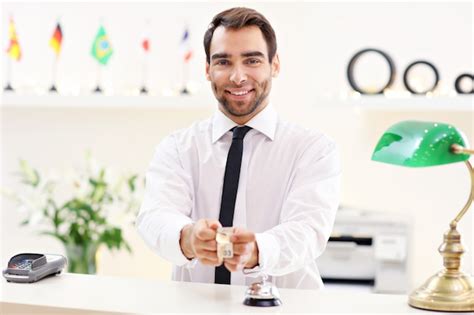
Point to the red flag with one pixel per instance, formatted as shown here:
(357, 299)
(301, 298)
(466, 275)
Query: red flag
(146, 45)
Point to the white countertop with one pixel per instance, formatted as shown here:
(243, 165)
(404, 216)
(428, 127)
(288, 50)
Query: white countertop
(74, 294)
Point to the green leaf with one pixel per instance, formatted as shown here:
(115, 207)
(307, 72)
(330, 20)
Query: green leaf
(83, 217)
(112, 237)
(79, 234)
(81, 208)
(99, 189)
(99, 193)
(127, 246)
(102, 174)
(57, 221)
(131, 182)
(45, 212)
(30, 175)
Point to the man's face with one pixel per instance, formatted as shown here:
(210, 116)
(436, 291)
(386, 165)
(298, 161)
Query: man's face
(239, 71)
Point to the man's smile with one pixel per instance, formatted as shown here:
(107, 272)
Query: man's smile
(239, 94)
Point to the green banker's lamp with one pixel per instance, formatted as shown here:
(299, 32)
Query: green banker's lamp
(420, 144)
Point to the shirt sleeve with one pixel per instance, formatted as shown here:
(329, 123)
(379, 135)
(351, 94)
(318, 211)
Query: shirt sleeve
(308, 213)
(167, 203)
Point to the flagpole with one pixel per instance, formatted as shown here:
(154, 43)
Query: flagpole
(13, 36)
(98, 89)
(185, 77)
(186, 58)
(54, 75)
(146, 48)
(144, 90)
(9, 87)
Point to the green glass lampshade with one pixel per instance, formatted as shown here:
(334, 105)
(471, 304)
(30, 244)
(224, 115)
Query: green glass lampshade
(419, 144)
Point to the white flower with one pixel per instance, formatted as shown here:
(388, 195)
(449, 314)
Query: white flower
(35, 218)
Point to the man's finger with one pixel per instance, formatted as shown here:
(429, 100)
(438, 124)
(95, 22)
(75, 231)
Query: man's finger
(202, 253)
(205, 233)
(208, 245)
(213, 224)
(242, 248)
(242, 236)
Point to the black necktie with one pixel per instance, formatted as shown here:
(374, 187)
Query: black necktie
(229, 191)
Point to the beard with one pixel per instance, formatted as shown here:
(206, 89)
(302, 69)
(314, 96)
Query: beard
(242, 108)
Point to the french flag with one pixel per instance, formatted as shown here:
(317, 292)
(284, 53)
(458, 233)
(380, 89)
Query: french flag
(186, 46)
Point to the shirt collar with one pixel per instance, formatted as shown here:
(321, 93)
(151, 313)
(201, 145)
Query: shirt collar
(265, 122)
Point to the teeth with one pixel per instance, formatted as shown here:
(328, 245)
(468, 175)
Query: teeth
(239, 93)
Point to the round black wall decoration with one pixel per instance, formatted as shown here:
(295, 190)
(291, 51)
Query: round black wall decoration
(457, 83)
(407, 73)
(353, 61)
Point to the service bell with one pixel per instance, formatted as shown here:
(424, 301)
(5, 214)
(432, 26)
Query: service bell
(262, 293)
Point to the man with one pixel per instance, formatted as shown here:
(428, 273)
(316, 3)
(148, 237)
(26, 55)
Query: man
(277, 184)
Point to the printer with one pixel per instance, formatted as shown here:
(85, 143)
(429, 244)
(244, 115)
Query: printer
(368, 248)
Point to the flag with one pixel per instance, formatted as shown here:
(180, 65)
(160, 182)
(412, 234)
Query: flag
(13, 49)
(146, 44)
(101, 49)
(56, 39)
(186, 46)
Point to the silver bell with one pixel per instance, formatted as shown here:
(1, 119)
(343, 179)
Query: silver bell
(262, 294)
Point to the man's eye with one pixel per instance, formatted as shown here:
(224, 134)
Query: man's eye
(253, 61)
(222, 62)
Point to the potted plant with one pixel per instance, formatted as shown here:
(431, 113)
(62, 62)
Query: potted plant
(83, 212)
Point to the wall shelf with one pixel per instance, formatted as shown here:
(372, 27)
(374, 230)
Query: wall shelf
(185, 102)
(207, 102)
(409, 103)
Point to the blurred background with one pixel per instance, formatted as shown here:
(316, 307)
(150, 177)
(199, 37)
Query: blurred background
(121, 127)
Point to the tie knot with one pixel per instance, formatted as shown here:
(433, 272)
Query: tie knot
(240, 132)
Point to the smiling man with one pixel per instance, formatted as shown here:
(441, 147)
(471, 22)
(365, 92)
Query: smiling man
(241, 79)
(275, 183)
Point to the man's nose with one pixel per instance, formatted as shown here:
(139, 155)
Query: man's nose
(238, 75)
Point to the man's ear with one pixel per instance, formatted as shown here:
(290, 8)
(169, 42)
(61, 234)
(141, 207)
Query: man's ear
(208, 77)
(275, 65)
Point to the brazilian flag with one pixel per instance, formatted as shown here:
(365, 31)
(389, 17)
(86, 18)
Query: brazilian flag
(101, 49)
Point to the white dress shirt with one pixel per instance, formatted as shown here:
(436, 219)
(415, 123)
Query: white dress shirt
(288, 194)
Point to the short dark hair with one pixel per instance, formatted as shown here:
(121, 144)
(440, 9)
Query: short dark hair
(237, 18)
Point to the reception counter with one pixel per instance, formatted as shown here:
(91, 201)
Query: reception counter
(86, 294)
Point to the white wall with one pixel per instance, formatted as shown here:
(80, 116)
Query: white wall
(315, 42)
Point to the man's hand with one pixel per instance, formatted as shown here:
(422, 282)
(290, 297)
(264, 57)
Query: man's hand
(245, 251)
(199, 241)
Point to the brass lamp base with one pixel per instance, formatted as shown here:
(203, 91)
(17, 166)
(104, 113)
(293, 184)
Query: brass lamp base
(445, 291)
(450, 289)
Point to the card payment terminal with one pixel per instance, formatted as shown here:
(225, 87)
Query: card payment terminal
(29, 267)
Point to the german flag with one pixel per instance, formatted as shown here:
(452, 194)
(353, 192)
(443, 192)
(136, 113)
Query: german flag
(56, 39)
(13, 49)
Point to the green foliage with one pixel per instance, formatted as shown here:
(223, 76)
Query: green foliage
(82, 219)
